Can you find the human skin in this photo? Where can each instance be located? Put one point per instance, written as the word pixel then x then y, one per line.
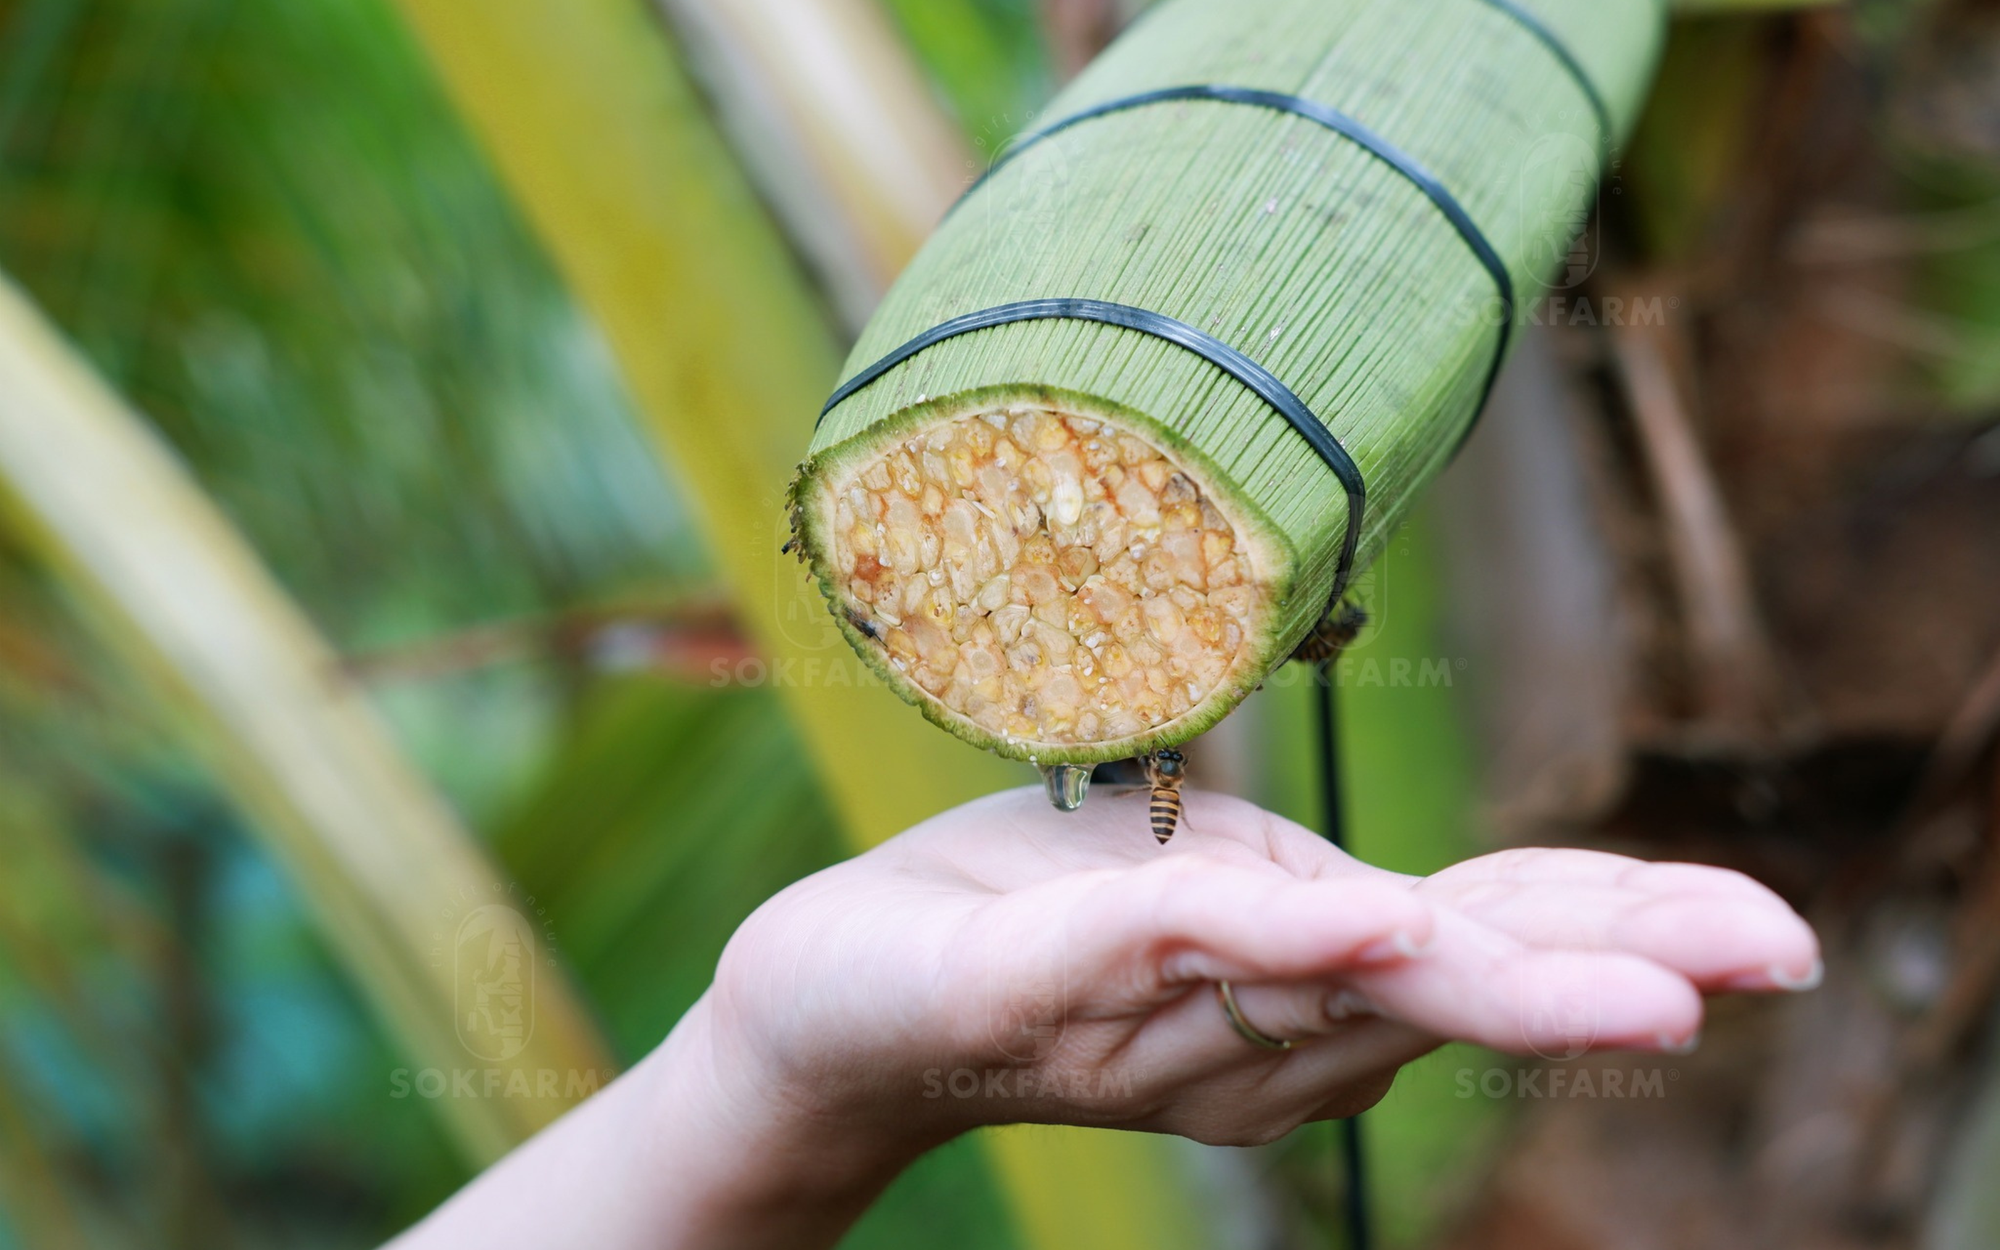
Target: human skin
pixel 1076 959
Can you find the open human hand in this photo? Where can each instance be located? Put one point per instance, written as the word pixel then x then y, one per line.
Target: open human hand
pixel 1004 962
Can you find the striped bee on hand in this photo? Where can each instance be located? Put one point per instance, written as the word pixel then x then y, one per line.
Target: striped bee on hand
pixel 1165 770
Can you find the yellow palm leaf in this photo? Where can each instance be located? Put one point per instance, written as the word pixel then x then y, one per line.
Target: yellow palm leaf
pixel 385 865
pixel 837 126
pixel 594 127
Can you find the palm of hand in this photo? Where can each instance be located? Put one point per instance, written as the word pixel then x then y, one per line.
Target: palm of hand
pixel 1006 963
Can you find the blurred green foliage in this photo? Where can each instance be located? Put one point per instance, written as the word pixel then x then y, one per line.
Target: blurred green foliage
pixel 987 60
pixel 1950 176
pixel 264 224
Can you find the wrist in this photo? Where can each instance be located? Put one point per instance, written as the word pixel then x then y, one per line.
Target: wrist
pixel 754 1158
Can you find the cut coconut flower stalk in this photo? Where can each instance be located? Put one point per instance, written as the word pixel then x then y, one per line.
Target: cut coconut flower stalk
pixel 1106 468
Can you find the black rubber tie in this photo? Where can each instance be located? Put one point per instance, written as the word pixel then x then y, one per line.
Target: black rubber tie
pixel 1340 123
pixel 1560 50
pixel 1181 334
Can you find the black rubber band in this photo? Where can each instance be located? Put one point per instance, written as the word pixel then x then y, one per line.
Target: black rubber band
pixel 1560 50
pixel 1223 356
pixel 1341 124
pixel 1214 350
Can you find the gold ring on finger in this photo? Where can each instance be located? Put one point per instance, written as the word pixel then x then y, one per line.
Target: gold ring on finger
pixel 1244 1029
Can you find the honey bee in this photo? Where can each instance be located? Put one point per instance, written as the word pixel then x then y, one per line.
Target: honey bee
pixel 862 623
pixel 1165 770
pixel 1333 635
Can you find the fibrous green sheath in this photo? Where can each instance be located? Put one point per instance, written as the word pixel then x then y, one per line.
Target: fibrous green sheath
pixel 1289 242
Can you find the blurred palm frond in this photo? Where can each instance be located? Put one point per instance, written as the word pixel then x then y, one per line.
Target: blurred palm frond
pixel 837 126
pixel 187 604
pixel 592 123
pixel 987 59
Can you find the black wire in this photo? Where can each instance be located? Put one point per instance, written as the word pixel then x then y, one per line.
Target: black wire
pixel 1333 806
pixel 1360 1220
pixel 1333 823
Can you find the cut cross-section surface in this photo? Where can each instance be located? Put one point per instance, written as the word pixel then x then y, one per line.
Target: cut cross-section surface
pixel 1049 577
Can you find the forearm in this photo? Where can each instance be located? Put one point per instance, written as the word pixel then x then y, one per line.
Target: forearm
pixel 686 1152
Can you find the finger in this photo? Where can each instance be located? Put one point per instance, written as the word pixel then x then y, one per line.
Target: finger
pixel 1353 1098
pixel 1725 939
pixel 1186 918
pixel 1190 1043
pixel 1303 1012
pixel 1484 987
pixel 1336 1077
pixel 1580 867
pixel 1472 983
pixel 1481 985
pixel 1346 1077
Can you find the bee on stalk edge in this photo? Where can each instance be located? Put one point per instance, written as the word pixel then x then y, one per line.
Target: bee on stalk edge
pixel 1333 635
pixel 1165 771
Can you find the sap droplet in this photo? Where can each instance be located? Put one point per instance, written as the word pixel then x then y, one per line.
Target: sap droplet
pixel 1067 784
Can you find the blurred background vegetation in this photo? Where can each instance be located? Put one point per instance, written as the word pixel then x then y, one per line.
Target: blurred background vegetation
pixel 478 399
pixel 267 227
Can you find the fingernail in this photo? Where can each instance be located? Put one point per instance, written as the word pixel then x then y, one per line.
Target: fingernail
pixel 1395 948
pixel 1798 984
pixel 1682 1046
